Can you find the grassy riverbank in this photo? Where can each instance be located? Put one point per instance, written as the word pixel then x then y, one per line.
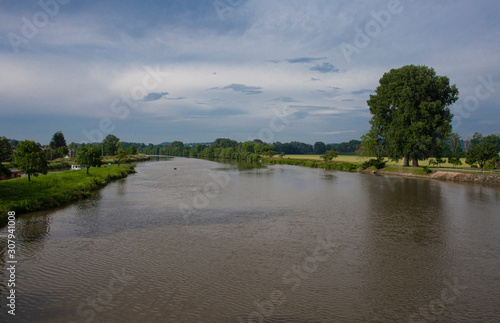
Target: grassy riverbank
pixel 336 165
pixel 425 171
pixel 54 189
pixel 65 163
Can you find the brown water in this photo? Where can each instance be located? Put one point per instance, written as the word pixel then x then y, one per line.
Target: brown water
pixel 210 243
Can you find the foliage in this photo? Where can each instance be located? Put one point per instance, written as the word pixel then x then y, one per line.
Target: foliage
pixel 329 155
pixel 110 145
pixel 373 144
pixel 4 170
pixel 455 161
pixel 483 149
pixel 121 155
pixel 58 140
pixel 348 147
pixel 5 150
pixel 319 148
pixel 30 159
pixel 377 163
pixel 454 142
pixel 57 152
pixel 293 148
pixel 89 156
pixel 427 170
pixel 410 112
pixel 132 150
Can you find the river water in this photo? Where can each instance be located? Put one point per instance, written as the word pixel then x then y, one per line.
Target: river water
pixel 189 240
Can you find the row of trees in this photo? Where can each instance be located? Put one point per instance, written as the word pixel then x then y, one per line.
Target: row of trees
pixel 177 148
pixel 32 158
pixel 220 148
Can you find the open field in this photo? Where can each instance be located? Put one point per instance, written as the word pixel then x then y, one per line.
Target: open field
pixel 359 160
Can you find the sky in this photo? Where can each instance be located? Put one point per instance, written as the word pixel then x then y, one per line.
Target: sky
pixel 276 70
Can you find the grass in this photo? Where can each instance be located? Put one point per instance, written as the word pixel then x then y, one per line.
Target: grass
pixel 314 163
pixel 54 189
pixel 360 160
pixel 406 170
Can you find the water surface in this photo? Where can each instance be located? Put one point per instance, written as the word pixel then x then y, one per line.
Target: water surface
pixel 188 240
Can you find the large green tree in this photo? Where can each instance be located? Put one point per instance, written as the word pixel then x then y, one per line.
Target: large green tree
pixel 58 140
pixel 30 158
pixel 5 149
pixel 410 112
pixel 111 145
pixel 89 156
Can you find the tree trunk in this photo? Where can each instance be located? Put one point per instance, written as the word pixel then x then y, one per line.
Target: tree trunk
pixel 406 161
pixel 414 162
pixel 29 178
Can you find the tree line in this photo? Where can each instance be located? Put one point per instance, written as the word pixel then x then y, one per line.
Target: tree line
pixel 32 158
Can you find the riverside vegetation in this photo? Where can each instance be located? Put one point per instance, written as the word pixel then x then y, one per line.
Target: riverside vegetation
pixel 55 189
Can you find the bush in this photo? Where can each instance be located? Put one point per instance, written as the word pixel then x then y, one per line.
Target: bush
pixel 377 163
pixel 489 165
pixel 427 170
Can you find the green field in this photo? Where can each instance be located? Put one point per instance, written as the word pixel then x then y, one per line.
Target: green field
pixel 54 189
pixel 360 160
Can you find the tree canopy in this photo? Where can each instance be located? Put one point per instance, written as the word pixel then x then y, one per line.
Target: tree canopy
pixel 483 149
pixel 58 140
pixel 30 159
pixel 110 145
pixel 5 149
pixel 410 113
pixel 89 156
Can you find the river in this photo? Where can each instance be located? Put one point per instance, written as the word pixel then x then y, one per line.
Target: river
pixel 189 240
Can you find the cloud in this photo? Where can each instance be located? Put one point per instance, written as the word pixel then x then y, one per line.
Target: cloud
pixel 285 99
pixel 304 59
pixel 324 68
pixel 250 90
pixel 154 96
pixel 334 132
pixel 108 44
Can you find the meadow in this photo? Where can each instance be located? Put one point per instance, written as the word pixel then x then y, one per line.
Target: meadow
pixel 359 160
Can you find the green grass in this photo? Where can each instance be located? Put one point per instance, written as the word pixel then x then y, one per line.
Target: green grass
pixel 54 189
pixel 360 160
pixel 337 165
pixel 406 170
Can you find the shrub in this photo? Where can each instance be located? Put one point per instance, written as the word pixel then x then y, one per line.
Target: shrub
pixel 427 170
pixel 377 163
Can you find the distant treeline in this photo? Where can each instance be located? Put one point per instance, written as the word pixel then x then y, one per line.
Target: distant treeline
pixel 220 148
pixel 231 149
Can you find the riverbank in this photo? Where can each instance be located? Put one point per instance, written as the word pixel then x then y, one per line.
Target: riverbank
pixel 55 189
pixel 420 172
pixel 65 163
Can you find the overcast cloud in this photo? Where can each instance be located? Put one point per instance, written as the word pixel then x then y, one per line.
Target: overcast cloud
pixel 160 71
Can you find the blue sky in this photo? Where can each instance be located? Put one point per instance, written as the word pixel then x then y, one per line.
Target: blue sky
pixel 155 71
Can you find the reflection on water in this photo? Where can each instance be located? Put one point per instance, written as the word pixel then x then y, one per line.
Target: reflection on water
pixel 189 240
